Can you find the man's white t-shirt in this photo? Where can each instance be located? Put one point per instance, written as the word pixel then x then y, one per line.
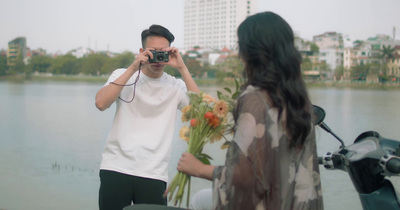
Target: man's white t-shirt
pixel 141 135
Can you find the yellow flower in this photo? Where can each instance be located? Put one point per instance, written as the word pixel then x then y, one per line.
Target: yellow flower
pixel 185 113
pixel 216 137
pixel 221 109
pixel 208 99
pixel 184 133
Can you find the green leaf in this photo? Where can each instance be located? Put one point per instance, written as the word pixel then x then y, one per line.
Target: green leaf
pixel 226 145
pixel 235 95
pixel 237 85
pixel 204 158
pixel 219 95
pixel 228 90
pixel 207 156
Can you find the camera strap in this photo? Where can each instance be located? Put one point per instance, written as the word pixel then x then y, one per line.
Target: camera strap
pixel 134 86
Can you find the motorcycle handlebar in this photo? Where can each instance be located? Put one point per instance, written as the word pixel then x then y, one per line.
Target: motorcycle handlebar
pixel 320 160
pixel 393 165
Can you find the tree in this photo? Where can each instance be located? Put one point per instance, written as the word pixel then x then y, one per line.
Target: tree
pixel 19 66
pixel 236 65
pixel 314 48
pixel 339 71
pixel 361 71
pixel 324 67
pixel 93 63
pixel 66 64
pixel 123 60
pixel 172 71
pixel 231 65
pixel 306 64
pixel 387 53
pixel 221 75
pixel 40 63
pixel 3 65
pixel 194 67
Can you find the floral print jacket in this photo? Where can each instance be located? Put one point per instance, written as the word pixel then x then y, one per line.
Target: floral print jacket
pixel 261 171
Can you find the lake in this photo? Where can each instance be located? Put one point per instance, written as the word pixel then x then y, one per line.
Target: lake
pixel 52 136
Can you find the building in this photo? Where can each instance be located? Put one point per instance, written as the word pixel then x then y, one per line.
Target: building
pixel 332 57
pixel 80 52
pixel 376 45
pixel 357 55
pixel 330 46
pixel 16 48
pixel 329 40
pixel 367 52
pixel 212 24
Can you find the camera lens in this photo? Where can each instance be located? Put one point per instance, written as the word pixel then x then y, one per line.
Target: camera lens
pixel 160 57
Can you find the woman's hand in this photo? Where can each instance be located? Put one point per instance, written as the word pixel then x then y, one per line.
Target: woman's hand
pixel 191 166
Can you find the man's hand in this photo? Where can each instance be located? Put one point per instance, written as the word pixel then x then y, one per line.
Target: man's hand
pixel 141 58
pixel 175 59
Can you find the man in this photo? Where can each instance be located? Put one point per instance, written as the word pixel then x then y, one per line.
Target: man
pixel 134 166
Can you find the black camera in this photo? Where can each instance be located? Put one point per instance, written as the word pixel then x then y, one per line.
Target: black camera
pixel 159 56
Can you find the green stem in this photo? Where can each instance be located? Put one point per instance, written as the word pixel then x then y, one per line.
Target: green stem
pixel 188 194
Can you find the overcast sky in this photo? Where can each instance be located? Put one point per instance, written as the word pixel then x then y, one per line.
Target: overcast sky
pixel 59 25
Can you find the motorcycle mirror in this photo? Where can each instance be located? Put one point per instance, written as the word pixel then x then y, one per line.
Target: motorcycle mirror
pixel 319 115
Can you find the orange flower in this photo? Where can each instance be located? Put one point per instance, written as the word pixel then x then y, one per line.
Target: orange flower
pixel 214 122
pixel 221 109
pixel 209 115
pixel 208 99
pixel 193 122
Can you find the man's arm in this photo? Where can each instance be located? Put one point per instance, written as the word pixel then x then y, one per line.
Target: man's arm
pixel 108 94
pixel 176 61
pixel 187 78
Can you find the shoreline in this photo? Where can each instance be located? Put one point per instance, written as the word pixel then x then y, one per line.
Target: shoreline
pixel 203 82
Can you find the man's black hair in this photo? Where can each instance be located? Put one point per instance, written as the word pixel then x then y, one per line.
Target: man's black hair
pixel 157 30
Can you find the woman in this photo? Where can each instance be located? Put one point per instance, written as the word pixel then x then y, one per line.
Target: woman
pixel 272 162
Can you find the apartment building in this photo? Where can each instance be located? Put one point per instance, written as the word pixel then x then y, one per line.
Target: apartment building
pixel 16 47
pixel 329 40
pixel 212 24
pixel 357 55
pixel 331 46
pixel 367 52
pixel 333 57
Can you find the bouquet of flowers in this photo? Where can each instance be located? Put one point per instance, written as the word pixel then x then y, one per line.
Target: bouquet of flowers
pixel 210 119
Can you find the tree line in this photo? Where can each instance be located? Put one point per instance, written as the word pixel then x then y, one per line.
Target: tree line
pixel 102 64
pixel 231 66
pixel 92 64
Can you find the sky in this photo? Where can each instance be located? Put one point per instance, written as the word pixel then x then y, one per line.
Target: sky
pixel 59 25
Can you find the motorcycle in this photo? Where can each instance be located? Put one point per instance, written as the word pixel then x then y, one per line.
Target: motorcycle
pixel 368 161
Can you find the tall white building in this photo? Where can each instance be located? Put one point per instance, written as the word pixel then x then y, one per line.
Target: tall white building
pixel 212 24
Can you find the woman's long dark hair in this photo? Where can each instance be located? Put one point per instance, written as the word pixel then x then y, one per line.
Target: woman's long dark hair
pixel 266 44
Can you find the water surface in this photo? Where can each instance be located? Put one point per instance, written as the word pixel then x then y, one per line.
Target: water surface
pixel 52 136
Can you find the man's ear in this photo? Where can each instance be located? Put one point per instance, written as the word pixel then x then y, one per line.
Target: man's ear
pixel 141 50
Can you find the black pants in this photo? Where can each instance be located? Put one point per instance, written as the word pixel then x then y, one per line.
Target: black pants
pixel 119 190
